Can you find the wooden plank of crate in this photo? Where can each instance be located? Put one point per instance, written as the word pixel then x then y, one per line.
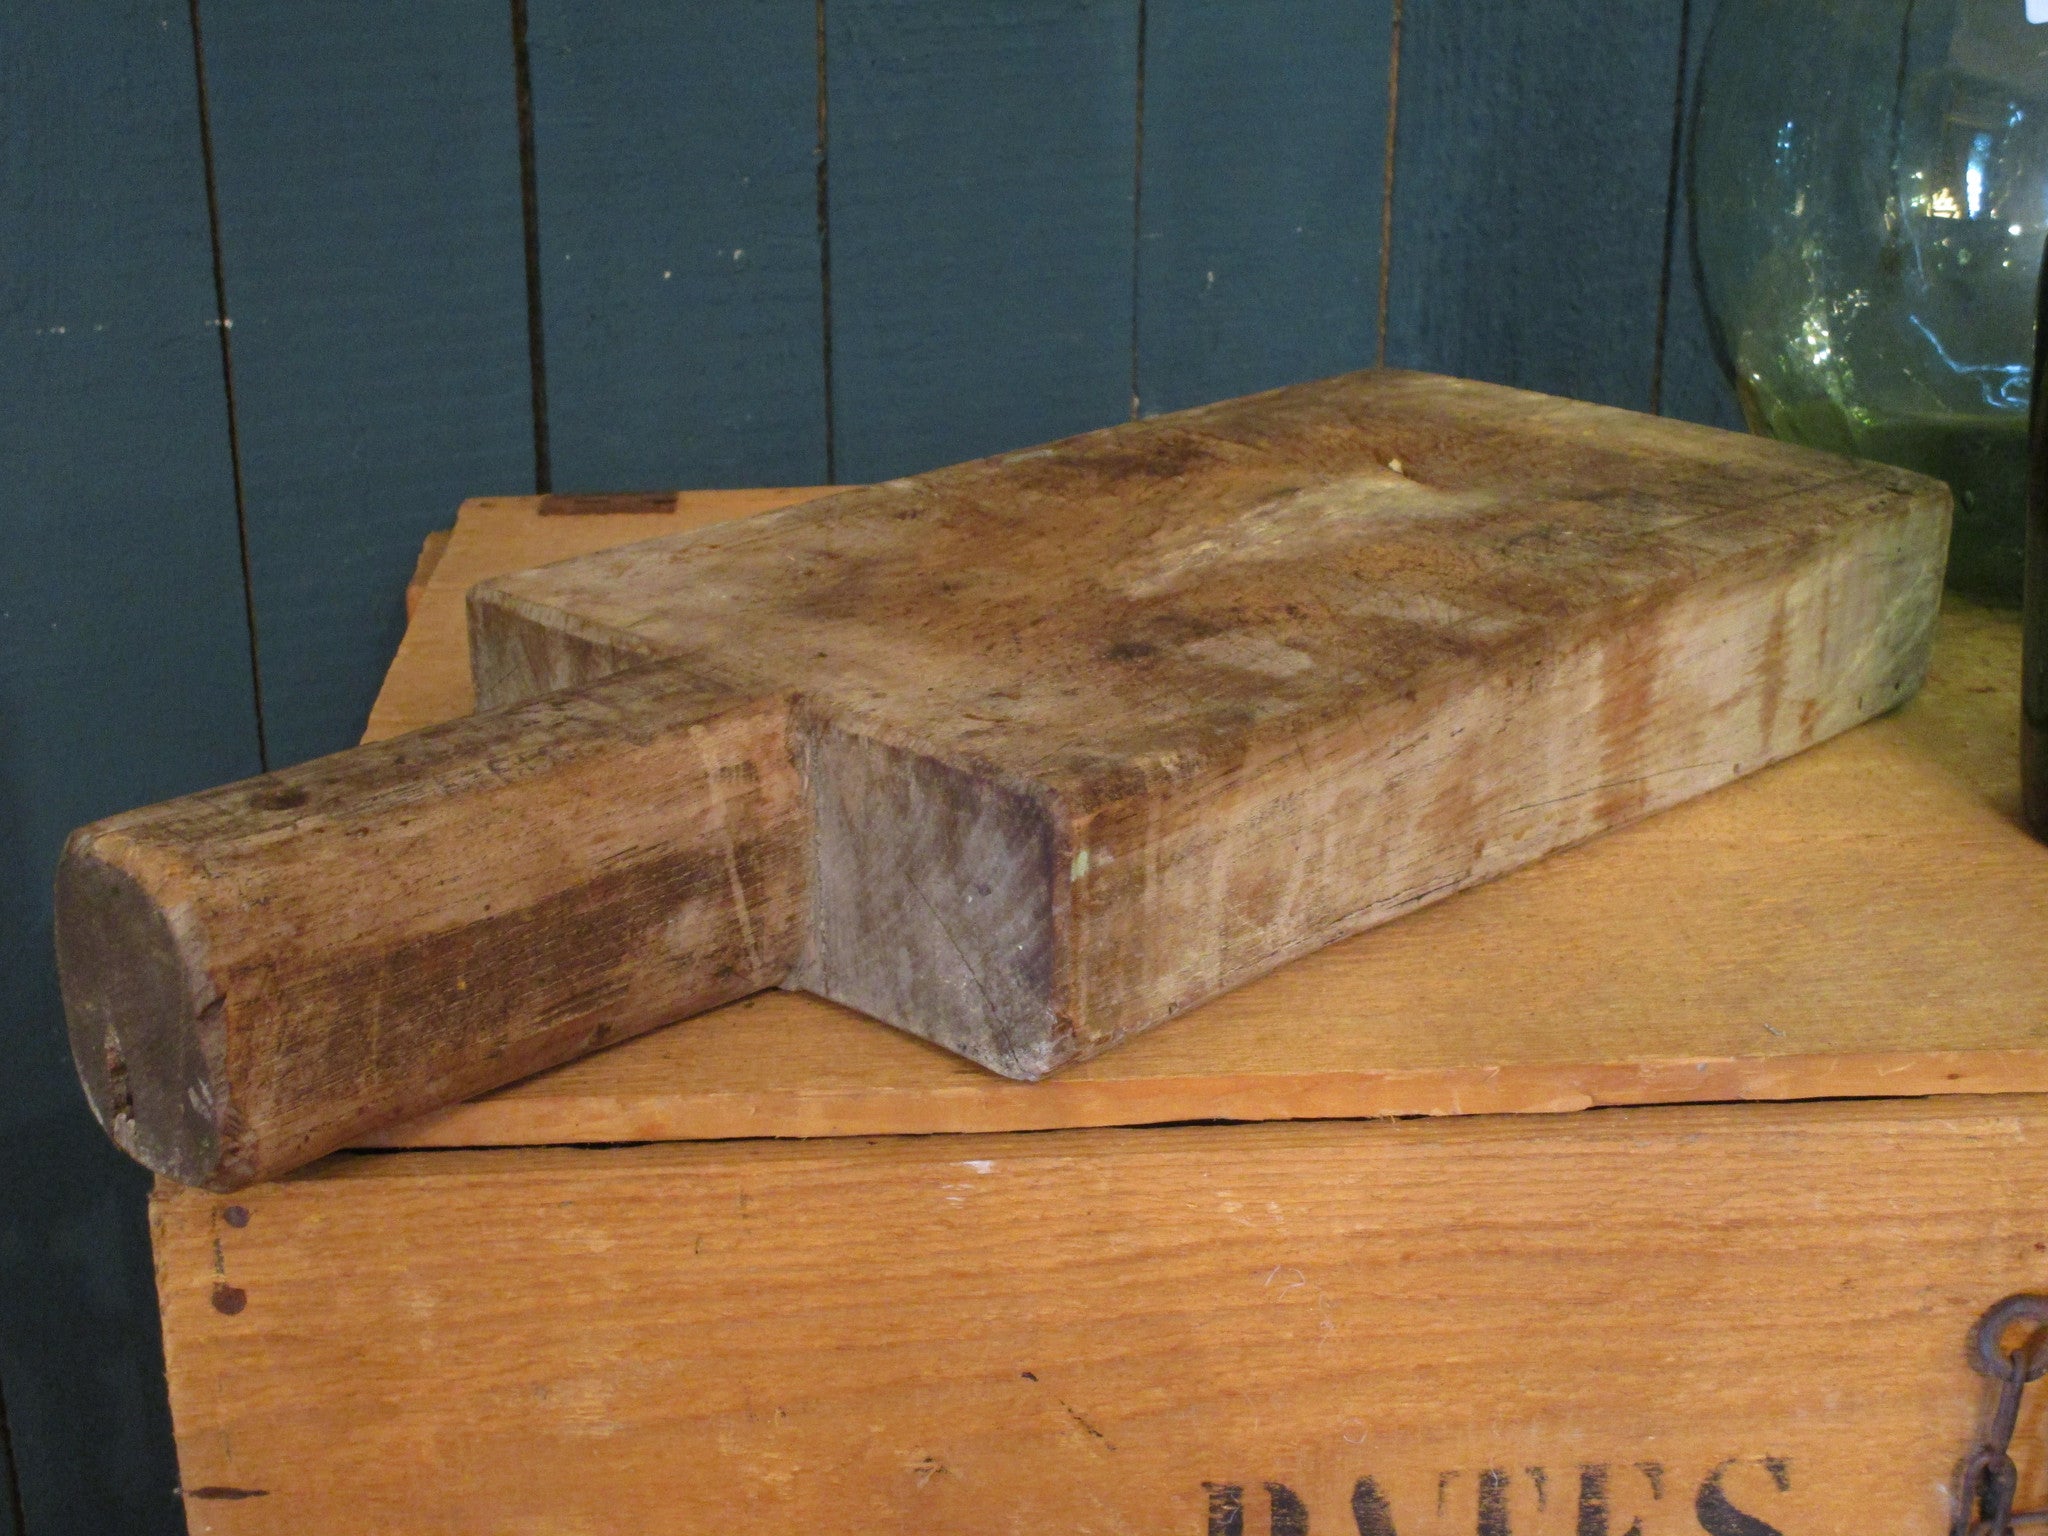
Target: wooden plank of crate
pixel 1658 1314
pixel 1865 919
pixel 372 251
pixel 1531 182
pixel 124 671
pixel 674 160
pixel 982 163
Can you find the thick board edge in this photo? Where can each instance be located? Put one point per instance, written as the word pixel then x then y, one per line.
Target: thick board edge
pixel 1659 723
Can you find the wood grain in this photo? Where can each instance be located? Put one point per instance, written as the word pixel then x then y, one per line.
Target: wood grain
pixel 1531 184
pixel 1259 218
pixel 124 677
pixel 1762 1307
pixel 367 161
pixel 982 166
pixel 1862 920
pixel 675 163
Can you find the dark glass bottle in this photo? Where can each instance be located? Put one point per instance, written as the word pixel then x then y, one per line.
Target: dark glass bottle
pixel 2034 654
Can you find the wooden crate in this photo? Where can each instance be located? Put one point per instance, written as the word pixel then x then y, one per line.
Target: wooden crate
pixel 780 1268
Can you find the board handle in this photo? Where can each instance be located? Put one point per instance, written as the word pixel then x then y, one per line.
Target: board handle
pixel 261 973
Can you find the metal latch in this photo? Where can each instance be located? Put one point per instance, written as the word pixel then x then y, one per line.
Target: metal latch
pixel 1989 1480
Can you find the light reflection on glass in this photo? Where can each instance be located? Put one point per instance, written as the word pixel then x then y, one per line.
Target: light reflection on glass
pixel 1870 187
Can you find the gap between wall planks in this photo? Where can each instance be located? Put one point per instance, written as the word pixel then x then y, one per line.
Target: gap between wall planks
pixel 1532 184
pixel 1729 949
pixel 679 264
pixel 1258 255
pixel 980 202
pixel 1695 383
pixel 371 251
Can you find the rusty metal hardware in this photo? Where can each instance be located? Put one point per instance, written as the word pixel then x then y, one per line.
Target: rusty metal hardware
pixel 1989 1480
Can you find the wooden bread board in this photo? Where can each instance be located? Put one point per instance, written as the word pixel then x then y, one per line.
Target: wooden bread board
pixel 1023 756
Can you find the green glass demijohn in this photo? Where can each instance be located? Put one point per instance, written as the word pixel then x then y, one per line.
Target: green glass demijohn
pixel 1870 193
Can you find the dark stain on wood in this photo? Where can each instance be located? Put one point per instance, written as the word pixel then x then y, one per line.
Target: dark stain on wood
pixel 229 1300
pixel 609 505
pixel 276 796
pixel 1628 680
pixel 1771 673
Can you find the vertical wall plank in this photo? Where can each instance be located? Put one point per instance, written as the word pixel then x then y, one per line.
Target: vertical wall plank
pixel 675 155
pixel 367 158
pixel 1264 157
pixel 124 678
pixel 1529 192
pixel 1695 386
pixel 982 168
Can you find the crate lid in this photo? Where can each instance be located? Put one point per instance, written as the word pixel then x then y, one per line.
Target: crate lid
pixel 1867 919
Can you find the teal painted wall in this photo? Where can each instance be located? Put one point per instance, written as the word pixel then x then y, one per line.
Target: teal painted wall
pixel 280 284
